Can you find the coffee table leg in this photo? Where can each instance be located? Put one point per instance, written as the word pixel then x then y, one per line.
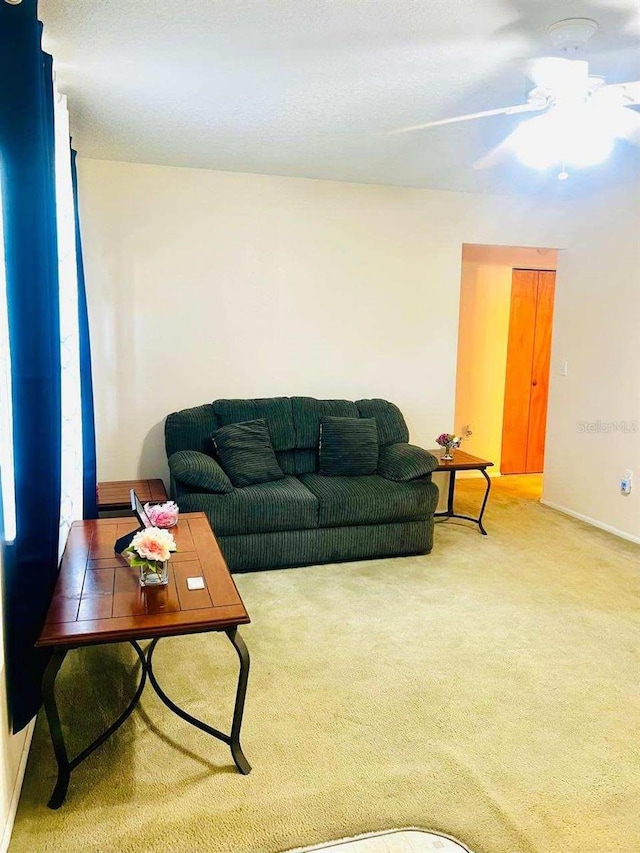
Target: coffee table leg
pixel 484 502
pixel 55 728
pixel 243 679
pixel 233 740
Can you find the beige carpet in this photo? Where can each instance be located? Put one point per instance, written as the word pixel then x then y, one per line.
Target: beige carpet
pixel 488 691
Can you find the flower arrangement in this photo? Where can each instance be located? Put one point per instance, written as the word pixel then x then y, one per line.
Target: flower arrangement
pixel 150 550
pixel 162 515
pixel 448 441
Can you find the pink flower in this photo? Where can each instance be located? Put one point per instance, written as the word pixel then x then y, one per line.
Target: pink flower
pixel 162 515
pixel 153 544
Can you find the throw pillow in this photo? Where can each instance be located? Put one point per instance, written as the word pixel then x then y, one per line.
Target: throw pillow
pixel 199 471
pixel 246 454
pixel 348 446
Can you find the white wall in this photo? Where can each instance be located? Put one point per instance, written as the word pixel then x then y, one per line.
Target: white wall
pixel 597 330
pixel 483 336
pixel 207 284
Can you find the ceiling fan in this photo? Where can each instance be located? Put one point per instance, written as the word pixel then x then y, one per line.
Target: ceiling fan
pixel 580 118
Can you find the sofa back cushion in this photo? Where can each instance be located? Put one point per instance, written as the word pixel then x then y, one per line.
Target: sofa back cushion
pixel 293 422
pixel 392 426
pixel 276 411
pixel 190 429
pixel 307 414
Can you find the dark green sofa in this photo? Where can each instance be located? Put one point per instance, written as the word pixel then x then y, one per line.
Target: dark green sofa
pixel 304 518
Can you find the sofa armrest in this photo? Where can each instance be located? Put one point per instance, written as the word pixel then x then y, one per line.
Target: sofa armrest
pixel 403 462
pixel 198 471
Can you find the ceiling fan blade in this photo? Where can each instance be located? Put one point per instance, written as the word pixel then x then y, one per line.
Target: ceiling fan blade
pixel 520 108
pixel 610 105
pixel 627 94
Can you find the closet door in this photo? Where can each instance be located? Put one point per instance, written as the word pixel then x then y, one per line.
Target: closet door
pixel 527 375
pixel 540 372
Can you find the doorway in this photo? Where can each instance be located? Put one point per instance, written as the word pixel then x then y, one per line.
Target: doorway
pixel 486 296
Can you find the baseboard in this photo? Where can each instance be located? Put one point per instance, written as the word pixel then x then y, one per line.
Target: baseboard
pixel 592 521
pixel 15 797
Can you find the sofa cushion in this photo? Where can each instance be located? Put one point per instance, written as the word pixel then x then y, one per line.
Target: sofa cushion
pixel 264 508
pixel 348 446
pixel 190 429
pixel 287 461
pixel 199 471
pixel 404 462
pixel 370 500
pixel 307 414
pixel 306 461
pixel 392 427
pixel 276 411
pixel 246 453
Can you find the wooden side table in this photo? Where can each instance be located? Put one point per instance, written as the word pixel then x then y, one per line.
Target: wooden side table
pixel 114 495
pixel 462 462
pixel 98 599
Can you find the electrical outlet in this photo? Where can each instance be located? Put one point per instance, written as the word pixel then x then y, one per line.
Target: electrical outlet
pixel 626 483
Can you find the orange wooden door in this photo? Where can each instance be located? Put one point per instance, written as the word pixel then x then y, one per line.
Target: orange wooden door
pixel 527 376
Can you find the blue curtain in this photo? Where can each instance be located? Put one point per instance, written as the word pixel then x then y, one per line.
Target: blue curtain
pixel 89 483
pixel 29 215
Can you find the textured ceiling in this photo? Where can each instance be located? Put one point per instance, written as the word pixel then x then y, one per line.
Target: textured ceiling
pixel 310 87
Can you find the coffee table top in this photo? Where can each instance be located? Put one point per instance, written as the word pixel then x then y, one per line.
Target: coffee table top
pixel 461 461
pixel 98 597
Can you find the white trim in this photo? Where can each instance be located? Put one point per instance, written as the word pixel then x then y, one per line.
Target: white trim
pixel 608 527
pixel 17 788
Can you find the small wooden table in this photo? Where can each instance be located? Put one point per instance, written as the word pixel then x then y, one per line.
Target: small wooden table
pixel 462 462
pixel 114 495
pixel 98 599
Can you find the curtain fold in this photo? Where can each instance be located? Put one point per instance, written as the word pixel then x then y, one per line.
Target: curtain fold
pixel 89 477
pixel 31 270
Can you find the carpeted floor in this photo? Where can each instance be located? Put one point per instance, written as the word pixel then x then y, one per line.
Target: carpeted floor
pixel 488 691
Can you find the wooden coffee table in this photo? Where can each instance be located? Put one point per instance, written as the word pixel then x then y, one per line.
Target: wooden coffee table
pixel 98 599
pixel 462 462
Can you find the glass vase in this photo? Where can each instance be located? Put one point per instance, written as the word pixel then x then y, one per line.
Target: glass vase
pixel 447 453
pixel 155 574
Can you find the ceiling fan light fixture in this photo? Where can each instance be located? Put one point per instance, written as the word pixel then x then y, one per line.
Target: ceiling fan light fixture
pixel 575 135
pixel 534 142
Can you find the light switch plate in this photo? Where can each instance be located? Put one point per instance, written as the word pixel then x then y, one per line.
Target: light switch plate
pixel 195 583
